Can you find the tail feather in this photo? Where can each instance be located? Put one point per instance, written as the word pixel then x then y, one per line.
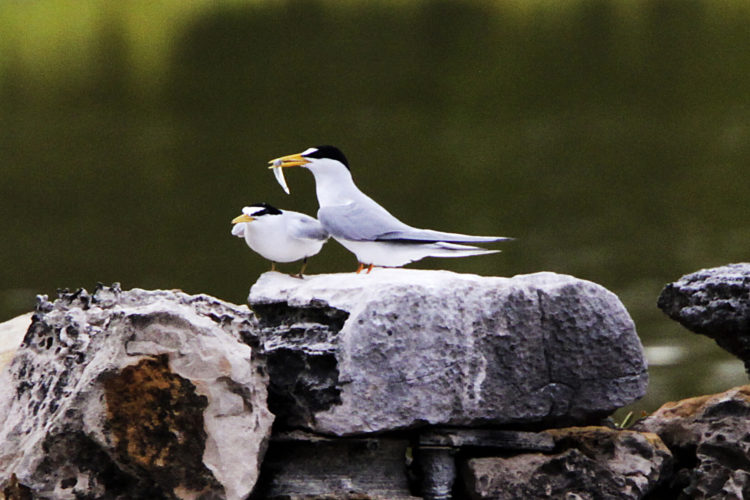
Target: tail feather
pixel 445 249
pixel 428 235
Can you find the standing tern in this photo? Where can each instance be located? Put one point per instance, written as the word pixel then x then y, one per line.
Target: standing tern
pixel 364 227
pixel 280 235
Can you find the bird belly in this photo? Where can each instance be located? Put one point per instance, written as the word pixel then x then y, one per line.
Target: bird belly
pixel 397 254
pixel 278 248
pixel 386 254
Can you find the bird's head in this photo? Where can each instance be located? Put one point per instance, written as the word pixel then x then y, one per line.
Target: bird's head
pixel 316 159
pixel 256 211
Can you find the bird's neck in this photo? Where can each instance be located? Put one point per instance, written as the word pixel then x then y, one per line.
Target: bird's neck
pixel 334 190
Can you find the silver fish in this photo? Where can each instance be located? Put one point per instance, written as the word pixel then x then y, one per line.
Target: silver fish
pixel 278 172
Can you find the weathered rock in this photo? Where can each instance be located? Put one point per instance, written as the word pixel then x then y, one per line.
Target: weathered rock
pixel 137 394
pixel 399 348
pixel 591 463
pixel 496 439
pixel 301 466
pixel 714 302
pixel 709 437
pixel 437 448
pixel 11 336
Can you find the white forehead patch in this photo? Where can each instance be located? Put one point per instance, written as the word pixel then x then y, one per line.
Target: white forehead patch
pixel 308 151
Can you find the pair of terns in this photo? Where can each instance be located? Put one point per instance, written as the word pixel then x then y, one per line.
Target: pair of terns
pixel 352 218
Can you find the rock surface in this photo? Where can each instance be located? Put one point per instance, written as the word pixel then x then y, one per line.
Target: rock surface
pixel 134 394
pixel 304 466
pixel 350 354
pixel 11 335
pixel 591 463
pixel 709 437
pixel 714 302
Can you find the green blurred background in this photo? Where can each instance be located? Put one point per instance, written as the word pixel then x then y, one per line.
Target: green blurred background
pixel 611 138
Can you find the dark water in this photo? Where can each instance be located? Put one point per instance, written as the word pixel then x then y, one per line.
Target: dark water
pixel 612 139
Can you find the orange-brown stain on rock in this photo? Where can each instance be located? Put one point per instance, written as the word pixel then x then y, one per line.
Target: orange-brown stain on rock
pixel 156 422
pixel 593 439
pixel 689 407
pixel 12 489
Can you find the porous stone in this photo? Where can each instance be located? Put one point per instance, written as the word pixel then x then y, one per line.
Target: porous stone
pixel 136 394
pixel 590 463
pixel 716 303
pixel 399 348
pixel 709 437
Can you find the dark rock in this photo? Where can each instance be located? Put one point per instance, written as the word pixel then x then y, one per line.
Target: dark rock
pixel 13 490
pixel 438 470
pixel 302 466
pixel 437 448
pixel 488 438
pixel 591 463
pixel 709 437
pixel 402 348
pixel 302 367
pixel 714 302
pixel 134 394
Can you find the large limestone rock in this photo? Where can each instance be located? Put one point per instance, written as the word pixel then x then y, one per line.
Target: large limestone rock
pixel 350 354
pixel 709 437
pixel 589 463
pixel 137 394
pixel 714 302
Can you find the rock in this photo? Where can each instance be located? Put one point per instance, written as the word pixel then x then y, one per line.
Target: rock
pixel 398 348
pixel 300 466
pixel 11 335
pixel 714 302
pixel 137 394
pixel 591 463
pixel 437 447
pixel 487 438
pixel 709 437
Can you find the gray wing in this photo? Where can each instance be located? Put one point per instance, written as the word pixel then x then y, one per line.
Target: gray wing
pixel 359 221
pixel 371 222
pixel 304 226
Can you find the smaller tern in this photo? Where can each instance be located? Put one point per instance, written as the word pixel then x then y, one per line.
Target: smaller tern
pixel 364 227
pixel 280 235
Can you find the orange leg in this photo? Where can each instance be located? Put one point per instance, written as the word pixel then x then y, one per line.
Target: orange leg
pixel 359 269
pixel 369 268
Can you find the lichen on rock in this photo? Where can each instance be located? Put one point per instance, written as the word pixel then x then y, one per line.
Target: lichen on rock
pixel 709 437
pixel 589 462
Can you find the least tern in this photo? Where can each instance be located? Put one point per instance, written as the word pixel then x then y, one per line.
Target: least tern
pixel 364 227
pixel 280 235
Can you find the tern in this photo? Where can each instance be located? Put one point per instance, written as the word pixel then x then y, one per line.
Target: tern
pixel 365 228
pixel 280 235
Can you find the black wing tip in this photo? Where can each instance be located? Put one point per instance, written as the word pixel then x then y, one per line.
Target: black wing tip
pixel 479 239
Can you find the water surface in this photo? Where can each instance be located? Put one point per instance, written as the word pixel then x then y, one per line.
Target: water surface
pixel 612 139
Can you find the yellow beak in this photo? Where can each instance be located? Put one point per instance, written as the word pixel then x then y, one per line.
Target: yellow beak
pixel 289 161
pixel 242 218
